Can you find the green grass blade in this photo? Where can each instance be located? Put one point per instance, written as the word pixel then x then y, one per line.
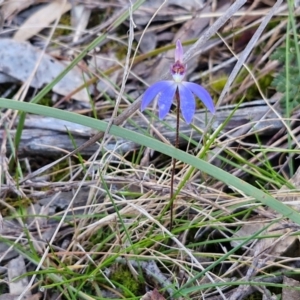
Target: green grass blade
pixel 154 144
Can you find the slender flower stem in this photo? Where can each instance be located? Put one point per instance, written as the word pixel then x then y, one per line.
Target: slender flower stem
pixel 177 97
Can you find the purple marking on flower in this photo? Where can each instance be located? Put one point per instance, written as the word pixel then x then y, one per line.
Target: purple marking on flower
pixel 165 91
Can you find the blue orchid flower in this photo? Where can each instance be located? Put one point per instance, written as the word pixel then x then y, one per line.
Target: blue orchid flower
pixel 165 91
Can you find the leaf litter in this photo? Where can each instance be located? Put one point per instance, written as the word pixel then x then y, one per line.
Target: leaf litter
pixel 20 62
pixel 97 206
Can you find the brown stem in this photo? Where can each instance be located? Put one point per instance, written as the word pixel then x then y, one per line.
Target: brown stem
pixel 174 160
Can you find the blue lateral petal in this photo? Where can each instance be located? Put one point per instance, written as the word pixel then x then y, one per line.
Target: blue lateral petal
pixel 187 103
pixel 166 98
pixel 152 92
pixel 202 94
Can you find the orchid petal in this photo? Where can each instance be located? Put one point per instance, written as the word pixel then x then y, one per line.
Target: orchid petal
pixel 187 103
pixel 152 92
pixel 202 94
pixel 165 99
pixel 178 52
